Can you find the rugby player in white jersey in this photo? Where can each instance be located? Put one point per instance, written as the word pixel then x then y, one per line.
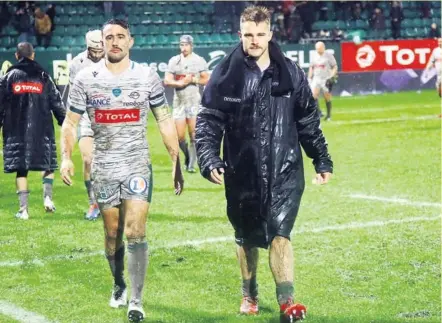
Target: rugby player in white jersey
pixel 121 169
pixel 186 72
pixel 322 75
pixel 436 62
pixel 92 55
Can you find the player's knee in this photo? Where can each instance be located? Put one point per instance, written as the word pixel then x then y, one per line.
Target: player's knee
pixel 113 232
pixel 87 160
pixel 134 231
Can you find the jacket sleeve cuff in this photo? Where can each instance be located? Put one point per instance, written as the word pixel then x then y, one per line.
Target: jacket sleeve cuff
pixel 324 166
pixel 205 172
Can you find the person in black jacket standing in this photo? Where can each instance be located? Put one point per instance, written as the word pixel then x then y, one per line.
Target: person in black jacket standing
pixel 260 104
pixel 28 98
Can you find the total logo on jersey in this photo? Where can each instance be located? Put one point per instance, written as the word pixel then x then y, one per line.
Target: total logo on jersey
pixel 99 100
pixel 27 87
pixel 117 116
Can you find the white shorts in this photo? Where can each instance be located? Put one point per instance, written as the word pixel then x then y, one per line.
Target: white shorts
pixel 84 128
pixel 186 107
pixel 318 83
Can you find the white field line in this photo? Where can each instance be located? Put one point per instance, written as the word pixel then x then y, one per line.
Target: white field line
pixel 394 200
pixel 390 108
pixel 20 314
pixel 341 227
pixel 384 120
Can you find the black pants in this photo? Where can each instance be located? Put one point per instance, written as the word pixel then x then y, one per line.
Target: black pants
pixel 46 39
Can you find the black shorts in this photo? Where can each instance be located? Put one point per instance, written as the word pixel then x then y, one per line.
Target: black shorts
pixel 253 230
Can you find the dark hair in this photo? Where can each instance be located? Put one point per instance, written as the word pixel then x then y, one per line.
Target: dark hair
pixel 24 49
pixel 256 14
pixel 120 22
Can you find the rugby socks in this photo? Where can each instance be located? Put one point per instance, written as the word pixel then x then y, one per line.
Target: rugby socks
pixel 192 154
pixel 250 287
pixel 47 187
pixel 185 150
pixel 329 107
pixel 284 292
pixel 116 264
pixel 137 265
pixel 23 199
pixel 90 192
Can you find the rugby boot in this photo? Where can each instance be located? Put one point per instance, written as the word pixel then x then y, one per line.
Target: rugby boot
pixel 290 312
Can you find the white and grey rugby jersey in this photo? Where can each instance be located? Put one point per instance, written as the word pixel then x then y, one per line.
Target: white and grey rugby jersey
pixel 118 107
pixel 78 63
pixel 436 59
pixel 323 65
pixel 180 66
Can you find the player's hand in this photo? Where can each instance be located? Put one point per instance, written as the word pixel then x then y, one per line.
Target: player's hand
pixel 66 171
pixel 216 175
pixel 322 178
pixel 178 179
pixel 187 80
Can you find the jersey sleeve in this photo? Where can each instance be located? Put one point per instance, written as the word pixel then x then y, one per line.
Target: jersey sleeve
pixel 77 96
pixel 332 61
pixel 171 66
pixel 72 73
pixel 157 95
pixel 203 67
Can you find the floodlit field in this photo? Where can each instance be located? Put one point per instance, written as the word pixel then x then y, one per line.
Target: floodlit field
pixel 367 245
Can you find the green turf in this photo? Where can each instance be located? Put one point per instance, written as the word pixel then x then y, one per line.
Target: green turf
pixel 374 273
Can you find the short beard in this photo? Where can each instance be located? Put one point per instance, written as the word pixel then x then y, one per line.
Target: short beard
pixel 114 60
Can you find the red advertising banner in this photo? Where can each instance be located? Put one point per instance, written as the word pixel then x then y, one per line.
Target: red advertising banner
pixel 373 56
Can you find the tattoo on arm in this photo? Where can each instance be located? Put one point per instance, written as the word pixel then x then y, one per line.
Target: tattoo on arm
pixel 161 113
pixel 167 129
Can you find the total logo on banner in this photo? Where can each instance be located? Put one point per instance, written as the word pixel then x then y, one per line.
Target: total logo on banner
pixel 386 55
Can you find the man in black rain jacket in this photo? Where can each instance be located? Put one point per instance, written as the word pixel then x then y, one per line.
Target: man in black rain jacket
pixel 28 98
pixel 260 103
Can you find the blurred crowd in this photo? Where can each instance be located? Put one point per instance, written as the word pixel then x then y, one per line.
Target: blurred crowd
pixel 292 21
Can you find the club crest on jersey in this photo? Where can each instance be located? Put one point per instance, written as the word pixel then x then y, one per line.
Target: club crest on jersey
pixel 138 185
pixel 98 100
pixel 115 116
pixel 116 92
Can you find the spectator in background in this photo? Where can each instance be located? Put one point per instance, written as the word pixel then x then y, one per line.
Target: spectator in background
pixel 43 27
pixel 51 13
pixel 397 16
pixel 434 31
pixel 377 22
pixel 22 23
pixel 425 9
pixel 4 15
pixel 356 11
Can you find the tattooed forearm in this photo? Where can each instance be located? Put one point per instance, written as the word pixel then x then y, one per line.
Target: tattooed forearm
pixel 161 113
pixel 167 130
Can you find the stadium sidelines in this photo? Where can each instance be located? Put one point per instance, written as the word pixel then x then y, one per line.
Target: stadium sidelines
pixel 394 200
pixel 390 108
pixel 20 314
pixel 384 120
